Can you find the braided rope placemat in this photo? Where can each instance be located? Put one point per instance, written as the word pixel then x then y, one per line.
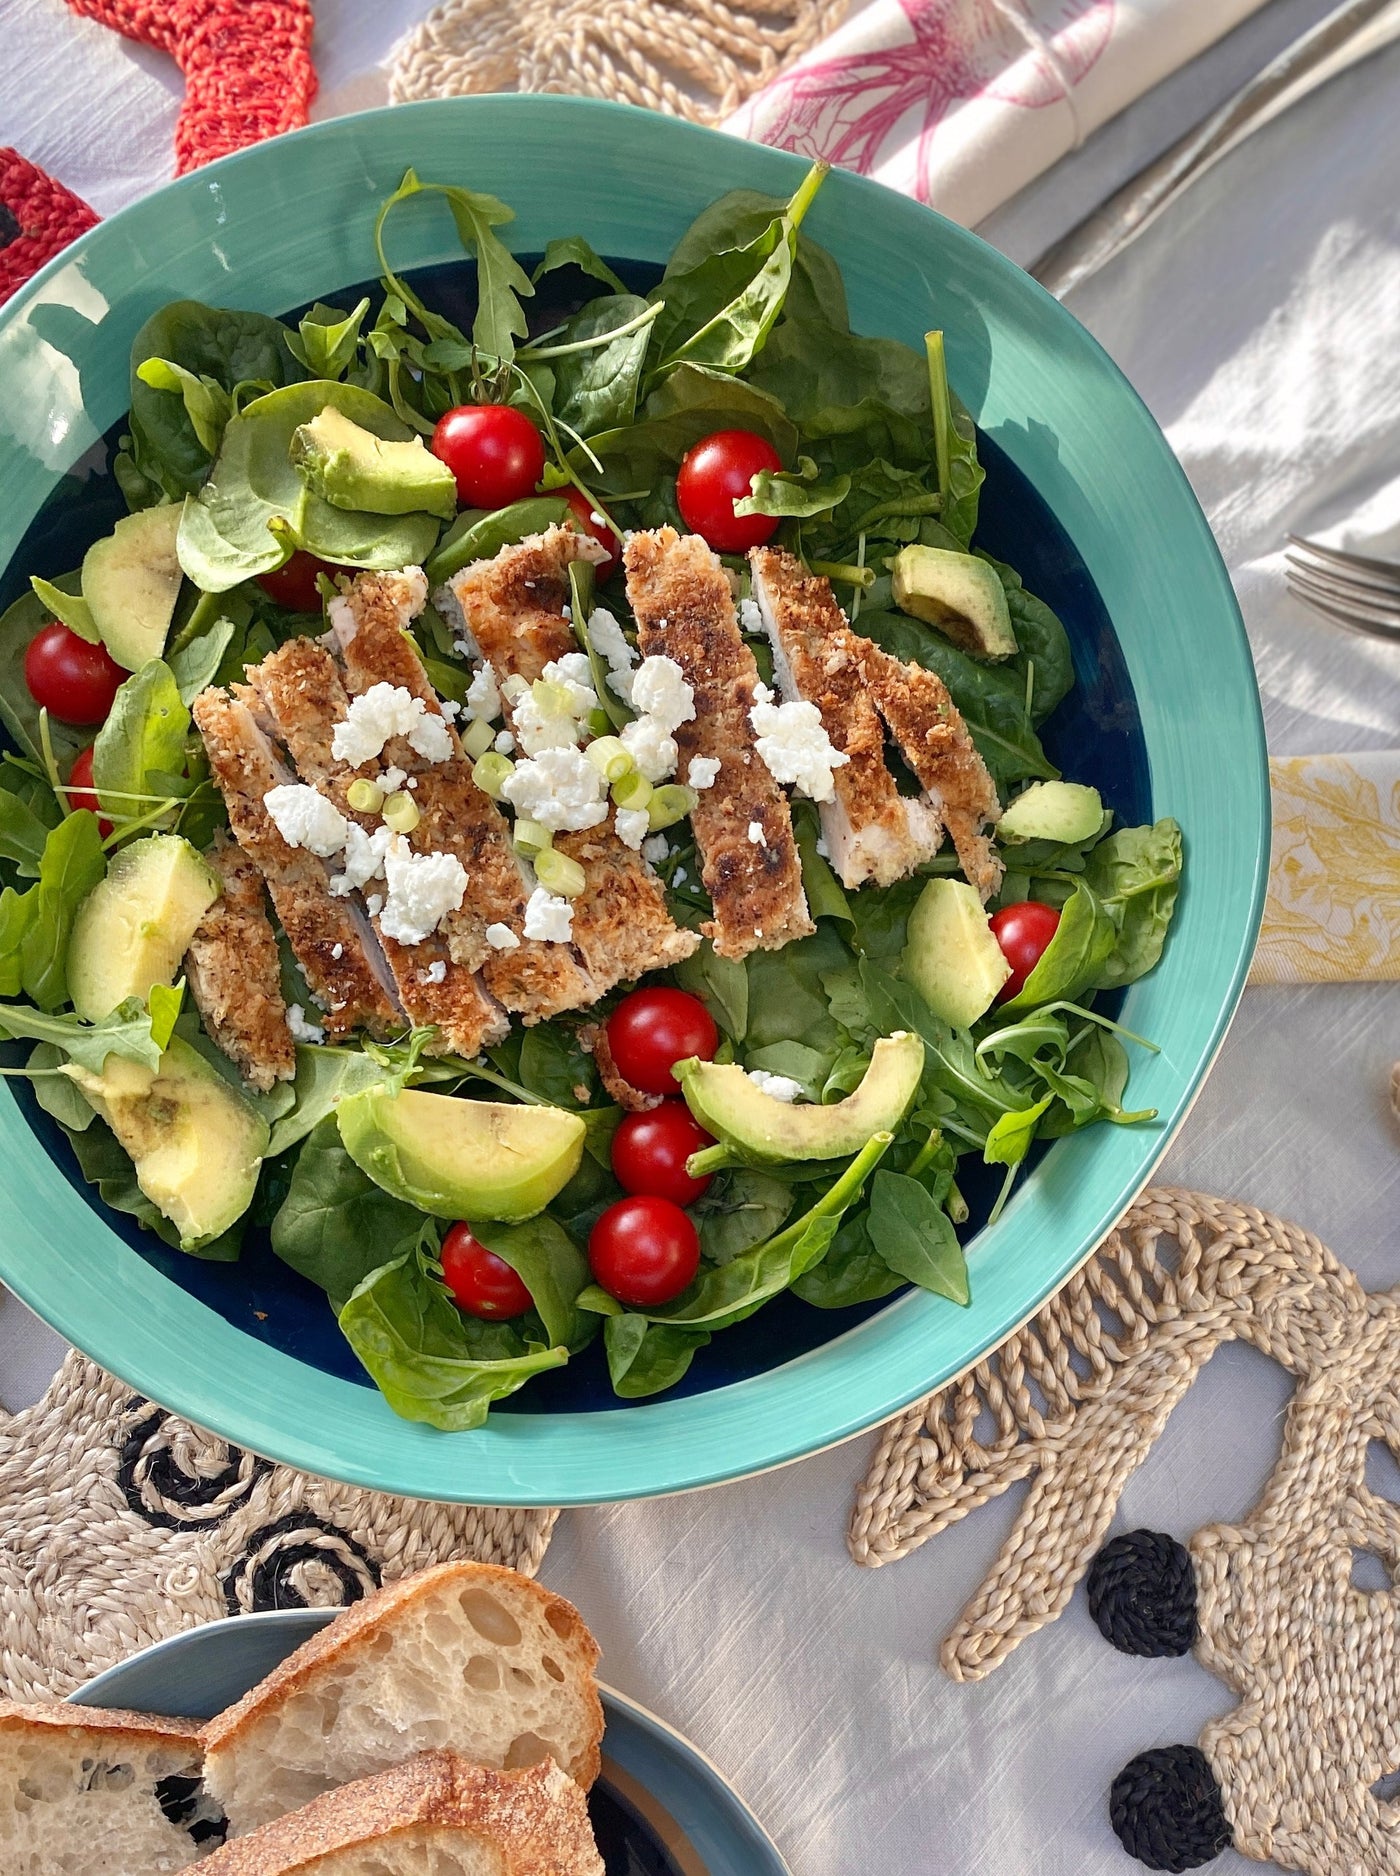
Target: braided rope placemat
pixel 694 58
pixel 121 1524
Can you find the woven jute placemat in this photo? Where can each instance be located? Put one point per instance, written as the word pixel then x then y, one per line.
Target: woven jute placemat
pixel 695 58
pixel 121 1524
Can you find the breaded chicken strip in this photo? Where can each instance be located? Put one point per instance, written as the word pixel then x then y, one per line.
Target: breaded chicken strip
pixel 233 972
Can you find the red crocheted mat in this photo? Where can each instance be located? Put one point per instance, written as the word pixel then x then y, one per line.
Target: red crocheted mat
pixel 38 216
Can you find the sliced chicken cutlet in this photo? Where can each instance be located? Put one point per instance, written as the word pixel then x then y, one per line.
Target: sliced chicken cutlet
pixel 934 740
pixel 872 832
pixel 680 595
pixel 299 687
pixel 513 609
pixel 534 979
pixel 233 972
pixel 330 937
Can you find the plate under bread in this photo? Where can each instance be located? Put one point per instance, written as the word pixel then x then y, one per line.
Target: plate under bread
pixel 660 1808
pixel 1083 495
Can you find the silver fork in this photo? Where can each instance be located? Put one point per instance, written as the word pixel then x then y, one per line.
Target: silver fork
pixel 1351 589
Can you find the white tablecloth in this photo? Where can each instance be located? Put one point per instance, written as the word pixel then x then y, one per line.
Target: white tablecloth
pixel 1259 320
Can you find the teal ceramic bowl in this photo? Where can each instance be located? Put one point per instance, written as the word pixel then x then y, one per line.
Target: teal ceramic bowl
pixel 1083 495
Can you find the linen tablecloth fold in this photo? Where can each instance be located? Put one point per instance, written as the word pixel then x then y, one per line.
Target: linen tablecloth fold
pixel 960 103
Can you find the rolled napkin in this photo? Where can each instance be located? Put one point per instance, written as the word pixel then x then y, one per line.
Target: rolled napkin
pixel 1333 910
pixel 960 103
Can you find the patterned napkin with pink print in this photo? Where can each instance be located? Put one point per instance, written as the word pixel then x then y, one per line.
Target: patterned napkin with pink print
pixel 960 103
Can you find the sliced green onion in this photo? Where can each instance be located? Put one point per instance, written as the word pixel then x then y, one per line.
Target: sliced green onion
pixel 552 700
pixel 633 791
pixel 610 756
pixel 478 737
pixel 531 839
pixel 491 772
pixel 557 873
pixel 364 796
pixel 670 804
pixel 401 812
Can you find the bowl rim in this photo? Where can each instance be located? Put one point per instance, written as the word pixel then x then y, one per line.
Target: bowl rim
pixel 304 1417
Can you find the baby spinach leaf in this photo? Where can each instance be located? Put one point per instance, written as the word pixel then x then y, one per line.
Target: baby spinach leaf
pixel 71 609
pixel 740 1209
pixel 207 404
pixel 127 1032
pixel 142 739
pixel 693 401
pixel 960 475
pixel 1042 644
pixel 417 1348
pixel 808 1067
pixel 1075 958
pixel 551 1267
pixel 852 1271
pixel 501 282
pixel 1137 873
pixel 326 340
pixel 787 997
pixel 255 508
pixel 722 985
pixel 18 710
pixel 477 534
pixel 56 1094
pixel 196 665
pixel 1010 1139
pixel 914 1236
pixel 35 928
pixel 574 251
pixel 336 1226
pixel 647 1357
pixel 794 492
pixel 881 919
pixel 555 1066
pixel 596 389
pixel 324 1077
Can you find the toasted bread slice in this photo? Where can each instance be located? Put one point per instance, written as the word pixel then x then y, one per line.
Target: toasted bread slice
pixel 86 1792
pixel 436 1815
pixel 465 1656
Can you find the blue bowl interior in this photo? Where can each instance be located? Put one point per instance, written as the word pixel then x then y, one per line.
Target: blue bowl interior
pixel 1095 736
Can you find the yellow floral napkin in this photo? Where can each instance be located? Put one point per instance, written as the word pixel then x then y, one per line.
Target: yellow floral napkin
pixel 1333 910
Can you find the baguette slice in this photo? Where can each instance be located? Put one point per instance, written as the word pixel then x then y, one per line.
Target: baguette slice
pixel 88 1792
pixel 436 1815
pixel 465 1656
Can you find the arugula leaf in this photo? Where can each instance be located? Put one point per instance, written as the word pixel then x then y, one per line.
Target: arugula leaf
pixel 18 710
pixel 35 927
pixel 596 389
pixel 647 1357
pixel 71 609
pixel 551 1267
pixel 143 738
pixel 336 1226
pixel 477 534
pixel 326 340
pixel 196 665
pixel 128 1032
pixel 55 1093
pixel 1010 1139
pixel 501 282
pixel 24 830
pixel 914 1236
pixel 1137 873
pixel 574 251
pixel 417 1348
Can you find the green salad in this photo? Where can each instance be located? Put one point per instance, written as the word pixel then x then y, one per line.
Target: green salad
pixel 475 1218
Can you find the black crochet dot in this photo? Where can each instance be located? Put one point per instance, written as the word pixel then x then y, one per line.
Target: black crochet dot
pixel 1167 1810
pixel 10 229
pixel 1142 1594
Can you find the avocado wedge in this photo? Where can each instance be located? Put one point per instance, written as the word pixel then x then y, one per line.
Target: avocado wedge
pixel 135 925
pixel 728 1105
pixel 951 956
pixel 960 594
pixel 462 1159
pixel 131 580
pixel 349 467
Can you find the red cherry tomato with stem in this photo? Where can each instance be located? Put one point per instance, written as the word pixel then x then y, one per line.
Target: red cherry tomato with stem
pixel 583 512
pixel 481 1283
pixel 653 1029
pixel 1024 932
pixel 494 451
pixel 293 584
pixel 71 679
pixel 644 1251
pixel 649 1152
pixel 717 472
pixel 81 793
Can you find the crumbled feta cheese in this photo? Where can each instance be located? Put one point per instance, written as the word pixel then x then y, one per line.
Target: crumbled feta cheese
pixel 750 618
pixel 572 675
pixel 679 877
pixel 302 1031
pixel 795 747
pixel 631 825
pixel 655 848
pixel 435 972
pixel 559 788
pixel 387 710
pixel 504 744
pixel 449 707
pixel 549 917
pixel 756 833
pixel 650 747
pixel 761 693
pixel 702 771
pixel 364 859
pixel 536 732
pixel 304 818
pixel 423 889
pixel 501 938
pixel 337 949
pixel 659 690
pixel 374 905
pixel 484 696
pixel 607 638
pixel 391 778
pixel 781 1087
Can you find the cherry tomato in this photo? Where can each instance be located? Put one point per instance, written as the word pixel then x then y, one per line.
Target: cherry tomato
pixel 482 1284
pixel 81 793
pixel 715 474
pixel 293 584
pixel 495 452
pixel 1023 931
pixel 649 1152
pixel 644 1251
pixel 651 1030
pixel 584 511
pixel 69 678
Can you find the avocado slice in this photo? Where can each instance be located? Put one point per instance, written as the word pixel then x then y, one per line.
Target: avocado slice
pixel 462 1159
pixel 131 581
pixel 135 925
pixel 958 593
pixel 349 467
pixel 196 1143
pixel 728 1105
pixel 951 956
pixel 1065 812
